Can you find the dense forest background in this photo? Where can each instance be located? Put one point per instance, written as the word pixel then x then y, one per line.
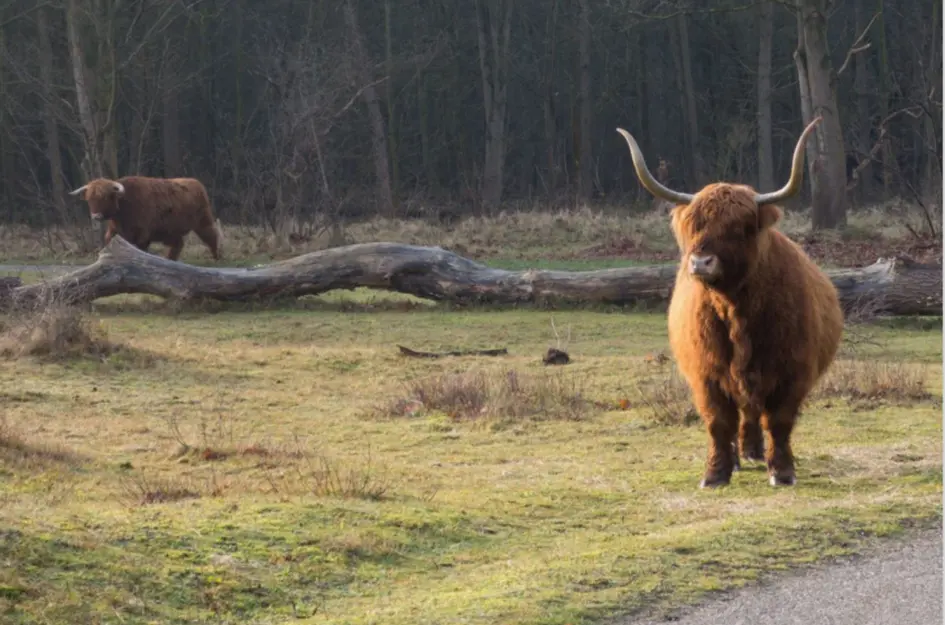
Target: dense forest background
pixel 293 111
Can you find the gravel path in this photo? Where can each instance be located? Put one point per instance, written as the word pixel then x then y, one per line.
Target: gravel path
pixel 900 582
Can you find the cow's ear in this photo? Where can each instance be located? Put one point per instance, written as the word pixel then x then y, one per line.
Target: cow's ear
pixel 768 215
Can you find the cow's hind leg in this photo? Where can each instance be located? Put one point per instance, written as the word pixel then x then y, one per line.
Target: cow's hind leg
pixel 174 248
pixel 750 440
pixel 720 415
pixel 211 238
pixel 778 420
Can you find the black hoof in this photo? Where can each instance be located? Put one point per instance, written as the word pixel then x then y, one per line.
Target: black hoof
pixel 713 482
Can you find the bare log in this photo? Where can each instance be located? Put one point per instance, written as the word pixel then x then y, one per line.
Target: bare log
pixel 406 351
pixel 894 286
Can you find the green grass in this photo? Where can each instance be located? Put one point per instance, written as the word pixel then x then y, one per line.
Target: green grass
pixel 256 466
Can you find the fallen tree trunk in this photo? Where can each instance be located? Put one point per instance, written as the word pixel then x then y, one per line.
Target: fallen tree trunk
pixel 895 286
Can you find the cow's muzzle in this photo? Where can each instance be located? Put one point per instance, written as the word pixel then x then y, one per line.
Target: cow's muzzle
pixel 706 267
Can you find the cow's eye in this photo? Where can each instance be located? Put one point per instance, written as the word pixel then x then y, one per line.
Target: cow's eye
pixel 750 230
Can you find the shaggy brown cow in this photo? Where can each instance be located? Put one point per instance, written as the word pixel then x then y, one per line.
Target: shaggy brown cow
pixel 753 322
pixel 154 210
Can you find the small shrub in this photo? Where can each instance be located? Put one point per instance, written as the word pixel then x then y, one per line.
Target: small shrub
pixel 875 380
pixel 494 395
pixel 51 329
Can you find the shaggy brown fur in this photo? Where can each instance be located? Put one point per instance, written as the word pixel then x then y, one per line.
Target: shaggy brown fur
pixel 154 210
pixel 756 337
pixel 753 322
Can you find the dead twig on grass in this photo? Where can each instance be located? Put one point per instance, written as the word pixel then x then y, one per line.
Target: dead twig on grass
pixel 412 353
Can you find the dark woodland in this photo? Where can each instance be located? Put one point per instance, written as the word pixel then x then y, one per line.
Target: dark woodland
pixel 294 111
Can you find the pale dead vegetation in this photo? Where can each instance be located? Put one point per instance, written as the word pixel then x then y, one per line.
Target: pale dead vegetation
pixel 523 230
pixel 875 381
pixel 236 459
pixel 18 451
pixel 494 395
pixel 138 488
pixel 664 397
pixel 52 330
pixel 321 475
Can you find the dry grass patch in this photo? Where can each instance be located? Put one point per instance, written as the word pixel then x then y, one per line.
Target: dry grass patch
pixel 495 395
pixel 53 331
pixel 17 451
pixel 665 397
pixel 324 476
pixel 141 489
pixel 876 381
pixel 50 329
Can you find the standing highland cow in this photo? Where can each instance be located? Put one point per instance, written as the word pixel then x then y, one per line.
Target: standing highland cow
pixel 753 322
pixel 154 210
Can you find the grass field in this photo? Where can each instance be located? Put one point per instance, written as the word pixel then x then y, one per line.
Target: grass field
pixel 272 466
pixel 242 464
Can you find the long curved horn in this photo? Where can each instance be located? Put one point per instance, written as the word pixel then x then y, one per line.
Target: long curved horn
pixel 797 171
pixel 79 190
pixel 646 178
pixel 119 188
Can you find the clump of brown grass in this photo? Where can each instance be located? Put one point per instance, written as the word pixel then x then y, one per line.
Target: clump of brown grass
pixel 322 476
pixel 665 397
pixel 876 381
pixel 17 451
pixel 51 328
pixel 139 489
pixel 494 395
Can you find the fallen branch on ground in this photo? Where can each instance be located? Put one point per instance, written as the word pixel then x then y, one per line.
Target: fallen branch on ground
pixel 406 351
pixel 896 286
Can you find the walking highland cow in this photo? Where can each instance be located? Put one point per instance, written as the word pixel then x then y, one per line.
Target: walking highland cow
pixel 154 210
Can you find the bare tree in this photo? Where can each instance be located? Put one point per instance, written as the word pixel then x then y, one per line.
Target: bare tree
pixel 385 198
pixel 494 28
pixel 586 161
pixel 818 84
pixel 50 121
pixel 765 145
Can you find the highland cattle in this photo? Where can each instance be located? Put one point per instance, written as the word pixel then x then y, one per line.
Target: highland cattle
pixel 154 210
pixel 753 321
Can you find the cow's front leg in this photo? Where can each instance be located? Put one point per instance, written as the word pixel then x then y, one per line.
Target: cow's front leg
pixel 110 231
pixel 174 248
pixel 720 414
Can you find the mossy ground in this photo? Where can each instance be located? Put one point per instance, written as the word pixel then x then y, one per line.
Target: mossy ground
pixel 251 466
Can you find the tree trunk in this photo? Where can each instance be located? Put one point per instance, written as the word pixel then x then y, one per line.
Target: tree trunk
pixel 765 144
pixel 92 164
pixel 6 154
pixel 864 187
pixel 829 198
pixel 494 25
pixel 689 96
pixel 170 129
pixel 548 104
pixel 391 105
pixel 385 197
pixel 586 162
pixel 893 286
pixel 51 127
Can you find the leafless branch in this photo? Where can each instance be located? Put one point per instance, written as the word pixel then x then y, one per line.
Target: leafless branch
pixel 913 111
pixel 858 46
